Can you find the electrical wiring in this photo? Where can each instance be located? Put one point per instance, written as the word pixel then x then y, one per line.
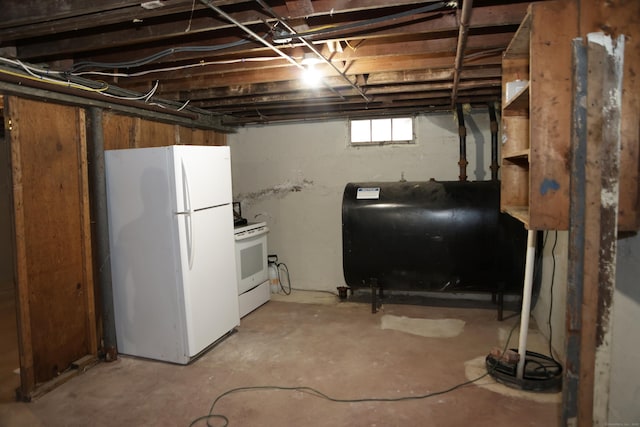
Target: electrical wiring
pixel 315 290
pixel 29 68
pixel 154 57
pixel 144 97
pixel 316 393
pixel 41 75
pixel 553 275
pixel 324 30
pixel 55 82
pixel 184 105
pixel 75 70
pixel 284 268
pixel 32 75
pixel 177 68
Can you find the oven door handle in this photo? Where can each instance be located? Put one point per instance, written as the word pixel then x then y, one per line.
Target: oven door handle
pixel 251 234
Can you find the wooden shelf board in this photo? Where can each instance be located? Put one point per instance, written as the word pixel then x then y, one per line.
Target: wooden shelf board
pixel 521 213
pixel 519 46
pixel 520 101
pixel 518 156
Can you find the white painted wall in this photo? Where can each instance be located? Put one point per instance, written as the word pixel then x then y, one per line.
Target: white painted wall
pixel 624 392
pixel 292 176
pixel 625 343
pixel 551 304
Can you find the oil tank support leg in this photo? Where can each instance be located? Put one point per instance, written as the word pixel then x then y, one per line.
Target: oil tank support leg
pixel 374 292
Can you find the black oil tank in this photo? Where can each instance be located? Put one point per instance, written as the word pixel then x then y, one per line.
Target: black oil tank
pixel 431 236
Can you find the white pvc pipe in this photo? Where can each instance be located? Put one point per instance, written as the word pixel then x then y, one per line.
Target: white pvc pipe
pixel 526 301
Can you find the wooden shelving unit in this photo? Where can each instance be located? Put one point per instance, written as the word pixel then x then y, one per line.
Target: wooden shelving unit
pixel 536 120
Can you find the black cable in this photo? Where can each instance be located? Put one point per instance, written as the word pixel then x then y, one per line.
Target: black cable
pixel 316 393
pixel 286 270
pixel 316 290
pixel 143 61
pixel 553 274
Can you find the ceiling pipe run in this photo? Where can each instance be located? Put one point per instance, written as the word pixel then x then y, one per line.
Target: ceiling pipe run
pixel 494 142
pixel 462 133
pixel 312 48
pixel 95 148
pixel 260 39
pixel 463 32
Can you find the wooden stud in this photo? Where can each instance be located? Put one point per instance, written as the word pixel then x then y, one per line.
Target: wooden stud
pixel 600 231
pixel 576 253
pixel 27 375
pixel 85 222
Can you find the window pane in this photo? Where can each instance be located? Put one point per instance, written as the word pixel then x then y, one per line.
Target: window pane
pixel 360 131
pixel 403 129
pixel 381 130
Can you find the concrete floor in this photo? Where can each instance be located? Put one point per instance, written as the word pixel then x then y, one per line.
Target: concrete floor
pixel 311 340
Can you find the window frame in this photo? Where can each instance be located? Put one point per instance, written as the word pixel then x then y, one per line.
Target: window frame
pixel 391 141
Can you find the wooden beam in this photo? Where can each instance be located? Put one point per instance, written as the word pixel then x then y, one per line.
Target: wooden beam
pixel 601 193
pixel 606 64
pixel 576 251
pixel 69 15
pixel 299 8
pixel 136 33
pixel 434 105
pixel 25 343
pixel 392 80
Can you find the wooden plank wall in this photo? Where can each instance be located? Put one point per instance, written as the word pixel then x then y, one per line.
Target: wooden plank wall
pixel 614 18
pixel 592 279
pixel 550 109
pixel 122 131
pixel 58 310
pixel 53 251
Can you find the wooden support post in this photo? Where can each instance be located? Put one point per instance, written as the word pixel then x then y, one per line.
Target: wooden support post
pixel 575 268
pixel 596 280
pixel 27 373
pixel 609 59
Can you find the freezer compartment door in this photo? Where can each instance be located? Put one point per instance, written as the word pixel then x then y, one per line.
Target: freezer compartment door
pixel 209 276
pixel 202 176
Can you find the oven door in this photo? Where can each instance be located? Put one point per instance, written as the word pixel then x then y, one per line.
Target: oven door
pixel 251 259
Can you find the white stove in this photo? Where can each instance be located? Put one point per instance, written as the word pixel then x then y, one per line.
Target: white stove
pixel 251 266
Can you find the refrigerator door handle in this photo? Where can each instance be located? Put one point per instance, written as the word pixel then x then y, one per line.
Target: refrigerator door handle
pixel 187 215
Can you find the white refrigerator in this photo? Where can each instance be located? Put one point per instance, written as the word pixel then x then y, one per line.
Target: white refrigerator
pixel 172 249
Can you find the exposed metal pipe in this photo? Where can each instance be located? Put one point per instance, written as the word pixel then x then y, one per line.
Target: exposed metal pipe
pixel 260 39
pixel 250 32
pixel 463 32
pixel 462 133
pixel 312 48
pixel 494 142
pixel 99 191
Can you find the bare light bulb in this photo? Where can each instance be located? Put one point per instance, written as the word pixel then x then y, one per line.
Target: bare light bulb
pixel 311 76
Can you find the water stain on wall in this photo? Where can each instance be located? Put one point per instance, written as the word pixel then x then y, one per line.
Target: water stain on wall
pixel 277 191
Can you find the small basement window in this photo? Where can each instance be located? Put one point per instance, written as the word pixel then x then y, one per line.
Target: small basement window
pixel 397 130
